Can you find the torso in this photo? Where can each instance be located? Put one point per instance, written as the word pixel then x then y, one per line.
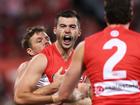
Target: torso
pixel 112 59
pixel 55 61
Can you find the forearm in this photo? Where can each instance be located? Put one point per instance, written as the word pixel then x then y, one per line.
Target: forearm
pixel 67 87
pixel 30 98
pixel 85 101
pixel 75 96
pixel 48 89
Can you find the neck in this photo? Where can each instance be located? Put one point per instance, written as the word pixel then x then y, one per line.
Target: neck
pixel 65 53
pixel 115 25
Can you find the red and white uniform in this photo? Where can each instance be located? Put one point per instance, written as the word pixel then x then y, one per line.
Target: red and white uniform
pixel 55 61
pixel 112 59
pixel 43 81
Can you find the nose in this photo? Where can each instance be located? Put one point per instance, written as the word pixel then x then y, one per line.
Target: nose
pixel 67 30
pixel 46 42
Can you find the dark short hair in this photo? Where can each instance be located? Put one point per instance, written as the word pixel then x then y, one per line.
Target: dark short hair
pixel 118 11
pixel 67 14
pixel 25 43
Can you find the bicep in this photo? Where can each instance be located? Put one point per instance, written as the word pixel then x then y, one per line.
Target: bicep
pixel 19 73
pixel 48 89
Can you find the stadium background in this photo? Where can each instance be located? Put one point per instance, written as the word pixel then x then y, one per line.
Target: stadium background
pixel 17 15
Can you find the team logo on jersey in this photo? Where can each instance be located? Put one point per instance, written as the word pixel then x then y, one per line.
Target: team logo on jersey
pixel 99 90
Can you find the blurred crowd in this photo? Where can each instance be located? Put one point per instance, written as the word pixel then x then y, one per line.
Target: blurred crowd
pixel 17 15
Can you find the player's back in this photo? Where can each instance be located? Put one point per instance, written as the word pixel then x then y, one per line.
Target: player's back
pixel 112 59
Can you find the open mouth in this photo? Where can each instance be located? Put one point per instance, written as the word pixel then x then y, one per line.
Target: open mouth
pixel 67 39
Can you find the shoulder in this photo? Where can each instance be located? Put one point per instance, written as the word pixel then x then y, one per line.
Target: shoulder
pixel 134 36
pixel 79 51
pixel 39 61
pixel 80 46
pixel 94 36
pixel 39 56
pixel 134 33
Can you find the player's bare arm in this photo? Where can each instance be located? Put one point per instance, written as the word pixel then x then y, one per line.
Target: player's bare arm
pixel 48 89
pixel 74 73
pixel 20 72
pixel 53 87
pixel 24 91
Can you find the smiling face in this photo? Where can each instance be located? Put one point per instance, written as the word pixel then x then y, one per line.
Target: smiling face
pixel 67 31
pixel 38 41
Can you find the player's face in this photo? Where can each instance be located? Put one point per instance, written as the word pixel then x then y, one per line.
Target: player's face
pixel 39 41
pixel 67 31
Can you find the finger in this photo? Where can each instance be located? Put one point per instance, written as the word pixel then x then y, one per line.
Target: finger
pixel 60 70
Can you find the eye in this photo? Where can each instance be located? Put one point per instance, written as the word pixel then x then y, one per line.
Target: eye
pixel 39 40
pixel 62 26
pixel 73 26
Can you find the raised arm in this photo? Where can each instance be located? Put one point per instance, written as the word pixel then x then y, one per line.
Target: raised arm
pixel 74 73
pixel 24 91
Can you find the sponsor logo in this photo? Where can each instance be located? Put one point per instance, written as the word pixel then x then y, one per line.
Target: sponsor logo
pixel 116 87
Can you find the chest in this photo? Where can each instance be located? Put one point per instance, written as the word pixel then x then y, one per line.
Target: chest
pixel 54 63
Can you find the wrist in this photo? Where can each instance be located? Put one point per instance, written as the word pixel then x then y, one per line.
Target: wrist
pixel 55 99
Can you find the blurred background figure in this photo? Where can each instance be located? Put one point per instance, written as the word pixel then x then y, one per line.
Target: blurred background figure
pixel 17 15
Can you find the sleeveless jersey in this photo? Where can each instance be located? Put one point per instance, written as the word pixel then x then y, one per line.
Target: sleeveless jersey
pixel 55 61
pixel 43 81
pixel 112 59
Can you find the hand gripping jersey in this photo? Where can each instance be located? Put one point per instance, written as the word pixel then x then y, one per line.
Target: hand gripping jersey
pixel 112 59
pixel 55 61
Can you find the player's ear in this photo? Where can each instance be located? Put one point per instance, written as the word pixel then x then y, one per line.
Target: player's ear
pixel 105 18
pixel 79 33
pixel 30 51
pixel 54 30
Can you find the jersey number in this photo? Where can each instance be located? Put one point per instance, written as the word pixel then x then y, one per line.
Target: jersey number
pixel 108 72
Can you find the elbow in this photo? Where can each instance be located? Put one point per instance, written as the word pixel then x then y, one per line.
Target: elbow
pixel 19 100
